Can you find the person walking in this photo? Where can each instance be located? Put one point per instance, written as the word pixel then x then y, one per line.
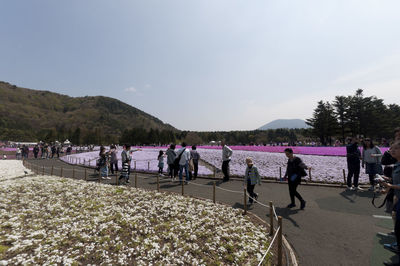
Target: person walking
pixel 184 153
pixel 294 171
pixel 371 160
pixel 195 157
pixel 395 153
pixel 36 151
pixel 226 158
pixel 160 159
pixel 171 155
pixel 126 158
pixel 113 159
pixel 103 163
pixel 18 153
pixel 251 178
pixel 353 156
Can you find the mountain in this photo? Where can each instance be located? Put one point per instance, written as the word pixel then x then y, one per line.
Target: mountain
pixel 27 114
pixel 285 123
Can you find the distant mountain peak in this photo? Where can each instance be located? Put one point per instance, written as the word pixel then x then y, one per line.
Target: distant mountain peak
pixel 285 123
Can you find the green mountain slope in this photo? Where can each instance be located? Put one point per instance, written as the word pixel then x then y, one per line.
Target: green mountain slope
pixel 27 114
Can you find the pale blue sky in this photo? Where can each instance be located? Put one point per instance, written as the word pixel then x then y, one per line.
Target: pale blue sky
pixel 205 64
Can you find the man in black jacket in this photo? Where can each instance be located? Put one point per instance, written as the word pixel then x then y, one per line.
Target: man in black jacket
pixel 353 155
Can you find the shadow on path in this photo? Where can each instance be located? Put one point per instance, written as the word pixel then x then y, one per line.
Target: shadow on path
pixel 286 213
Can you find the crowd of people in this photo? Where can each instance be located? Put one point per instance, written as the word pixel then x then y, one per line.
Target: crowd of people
pixel 383 171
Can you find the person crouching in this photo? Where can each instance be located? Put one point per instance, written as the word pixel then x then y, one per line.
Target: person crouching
pixel 251 178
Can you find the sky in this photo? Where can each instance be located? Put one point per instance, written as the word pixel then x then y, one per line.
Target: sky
pixel 205 65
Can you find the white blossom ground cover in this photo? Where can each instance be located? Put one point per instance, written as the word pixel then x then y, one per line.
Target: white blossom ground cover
pixel 52 220
pixel 327 169
pixel 10 169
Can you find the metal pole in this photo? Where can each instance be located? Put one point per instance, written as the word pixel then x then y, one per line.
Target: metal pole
pixel 214 192
pixel 271 219
pixel 245 202
pixel 280 241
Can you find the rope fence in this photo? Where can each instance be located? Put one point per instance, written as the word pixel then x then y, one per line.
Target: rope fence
pixel 272 212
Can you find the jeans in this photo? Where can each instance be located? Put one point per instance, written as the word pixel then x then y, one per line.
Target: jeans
pixel 354 170
pixel 186 167
pixel 293 191
pixel 104 171
pixel 225 169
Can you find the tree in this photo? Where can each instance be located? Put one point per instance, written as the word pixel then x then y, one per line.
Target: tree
pixel 323 122
pixel 341 105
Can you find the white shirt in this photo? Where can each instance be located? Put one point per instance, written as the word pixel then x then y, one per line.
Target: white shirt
pixel 185 156
pixel 226 153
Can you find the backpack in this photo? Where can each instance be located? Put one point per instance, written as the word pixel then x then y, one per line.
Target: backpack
pixel 177 159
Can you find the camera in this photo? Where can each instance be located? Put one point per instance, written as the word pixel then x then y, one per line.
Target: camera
pixel 378 178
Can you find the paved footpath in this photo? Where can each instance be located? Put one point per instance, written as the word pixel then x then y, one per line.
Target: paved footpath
pixel 337 227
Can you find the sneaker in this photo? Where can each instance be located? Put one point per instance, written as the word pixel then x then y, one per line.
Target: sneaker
pixel 109 178
pixel 103 178
pixel 392 247
pixel 127 181
pixel 349 188
pixel 358 188
pixel 256 196
pixel 291 205
pixel 302 205
pixel 371 188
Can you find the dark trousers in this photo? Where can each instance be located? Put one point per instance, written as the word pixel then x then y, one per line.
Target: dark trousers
pixel 112 165
pixel 250 191
pixel 196 168
pixel 293 191
pixel 35 154
pixel 173 171
pixel 354 170
pixel 225 169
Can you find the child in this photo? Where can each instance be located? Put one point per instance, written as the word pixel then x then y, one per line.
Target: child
pixel 160 163
pixel 251 178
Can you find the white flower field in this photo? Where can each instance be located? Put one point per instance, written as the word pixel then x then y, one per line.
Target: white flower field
pixel 53 220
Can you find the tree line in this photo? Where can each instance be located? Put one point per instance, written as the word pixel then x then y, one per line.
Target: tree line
pixel 354 115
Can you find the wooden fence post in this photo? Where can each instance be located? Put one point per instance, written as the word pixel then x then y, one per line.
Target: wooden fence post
pixel 52 170
pixel 43 170
pixel 271 219
pixel 73 172
pixel 135 165
pixel 215 171
pixel 85 174
pixel 245 202
pixel 344 177
pixel 148 166
pixel 280 173
pixel 309 173
pixel 183 189
pixel 61 173
pixel 214 192
pixel 158 183
pixel 135 180
pixel 280 241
